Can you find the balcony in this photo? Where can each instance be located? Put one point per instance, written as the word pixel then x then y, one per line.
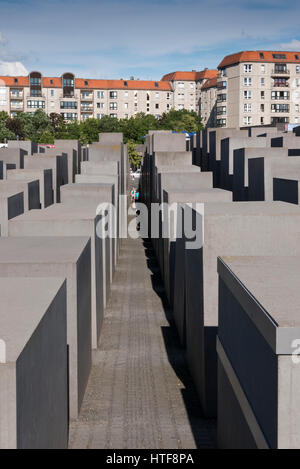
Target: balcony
pixel 281 85
pixel 17 106
pixel 16 95
pixel 280 72
pixel 85 108
pixel 89 97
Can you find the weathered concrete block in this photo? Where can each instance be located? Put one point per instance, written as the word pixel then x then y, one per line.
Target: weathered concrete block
pixel 258 388
pixel 27 145
pixel 71 156
pixel 110 195
pixel 65 257
pixel 230 229
pixel 61 220
pixel 111 138
pixel 240 168
pixel 99 153
pixel 261 172
pixel 13 157
pixel 45 178
pixel 58 164
pixel 30 188
pixel 11 205
pixel 168 230
pixel 286 188
pixel 74 148
pixel 165 141
pixel 34 364
pixel 228 145
pixel 288 140
pixel 103 168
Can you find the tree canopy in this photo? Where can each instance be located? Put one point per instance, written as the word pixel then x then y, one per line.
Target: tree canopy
pixel 41 128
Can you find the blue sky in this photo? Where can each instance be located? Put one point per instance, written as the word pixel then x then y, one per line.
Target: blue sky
pixel 140 38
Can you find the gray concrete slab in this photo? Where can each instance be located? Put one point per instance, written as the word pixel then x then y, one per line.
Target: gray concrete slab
pixel 72 147
pixel 261 172
pixel 258 324
pixel 57 163
pixel 34 364
pixel 240 167
pixel 70 258
pixel 71 156
pixel 12 157
pixel 60 220
pixel 103 168
pixel 11 205
pixel 45 178
pixel 253 228
pixel 30 147
pixel 111 138
pixel 30 188
pixel 286 187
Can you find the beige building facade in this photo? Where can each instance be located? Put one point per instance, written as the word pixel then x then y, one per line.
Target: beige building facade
pixel 76 98
pixel 258 88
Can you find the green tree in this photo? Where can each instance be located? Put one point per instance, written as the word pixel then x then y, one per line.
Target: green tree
pixel 89 131
pixel 46 137
pixel 133 155
pixel 5 133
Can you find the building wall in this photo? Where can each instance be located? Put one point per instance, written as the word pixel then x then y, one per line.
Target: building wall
pixel 250 89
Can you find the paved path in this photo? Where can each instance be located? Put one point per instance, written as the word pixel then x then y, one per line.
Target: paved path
pixel 139 394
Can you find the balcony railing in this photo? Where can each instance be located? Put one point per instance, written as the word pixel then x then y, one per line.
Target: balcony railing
pixel 16 96
pixel 281 85
pixel 276 71
pixel 87 108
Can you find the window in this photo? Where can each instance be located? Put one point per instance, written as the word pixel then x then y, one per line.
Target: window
pixel 2 91
pixel 168 95
pixel 279 56
pixel 35 93
pixel 280 95
pixel 247 94
pixel 262 68
pixel 262 121
pixel 156 84
pixel 181 85
pixel 86 94
pixel 192 86
pixel 191 97
pixel 296 56
pixel 35 80
pixel 69 115
pixel 281 82
pixel 126 116
pixel 113 115
pixel 3 102
pixel 296 107
pixel 280 108
pixel 15 80
pixel 180 95
pixel 297 68
pixel 280 68
pixel 248 68
pixel 261 55
pixel 126 105
pixel 156 95
pixel 99 116
pixel 262 108
pixel 36 104
pixel 100 105
pixel 86 83
pixel 180 106
pixel 100 94
pixel 68 105
pixel 262 95
pixel 113 106
pixel 156 106
pixel 247 81
pixel 221 122
pixel 247 107
pixel 297 82
pixel 262 82
pixel 51 82
pixel 125 83
pixel 221 97
pixel 51 103
pixel 52 93
pixel 113 94
pixel 221 110
pixel 125 94
pixel 247 120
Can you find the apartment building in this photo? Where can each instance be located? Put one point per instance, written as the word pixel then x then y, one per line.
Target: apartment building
pixel 186 87
pixel 258 88
pixel 208 103
pixel 76 98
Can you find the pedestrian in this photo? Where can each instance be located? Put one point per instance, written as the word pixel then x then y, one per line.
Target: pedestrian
pixel 137 195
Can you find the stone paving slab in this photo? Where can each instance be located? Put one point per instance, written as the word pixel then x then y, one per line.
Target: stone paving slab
pixel 140 394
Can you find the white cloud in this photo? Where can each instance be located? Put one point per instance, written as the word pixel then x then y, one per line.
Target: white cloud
pixel 12 68
pixel 292 45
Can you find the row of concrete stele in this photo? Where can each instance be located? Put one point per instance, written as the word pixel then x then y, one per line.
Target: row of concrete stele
pixel 55 276
pixel 233 285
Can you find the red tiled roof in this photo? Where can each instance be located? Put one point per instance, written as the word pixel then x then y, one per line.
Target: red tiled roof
pixel 212 83
pixel 92 84
pixel 190 76
pixel 254 56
